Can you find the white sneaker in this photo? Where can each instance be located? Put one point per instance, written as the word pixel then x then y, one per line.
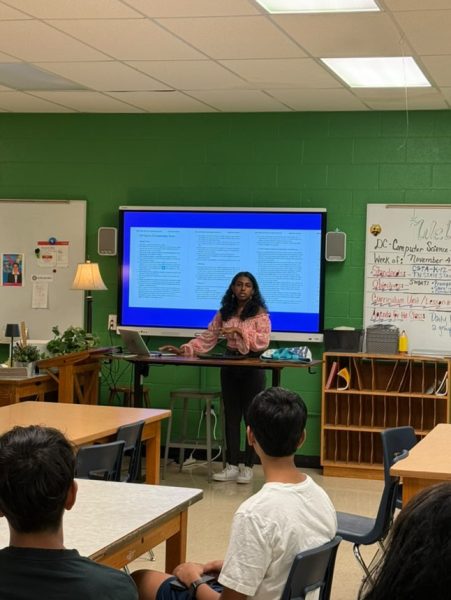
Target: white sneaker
pixel 245 474
pixel 230 473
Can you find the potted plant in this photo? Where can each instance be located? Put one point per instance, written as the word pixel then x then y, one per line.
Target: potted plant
pixel 26 355
pixel 73 339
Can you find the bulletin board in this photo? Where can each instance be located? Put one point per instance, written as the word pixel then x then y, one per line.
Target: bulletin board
pixel 408 273
pixel 41 243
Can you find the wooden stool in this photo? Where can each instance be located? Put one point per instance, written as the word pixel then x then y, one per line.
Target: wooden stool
pixel 207 444
pixel 128 395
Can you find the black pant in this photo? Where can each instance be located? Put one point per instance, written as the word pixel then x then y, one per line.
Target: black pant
pixel 239 386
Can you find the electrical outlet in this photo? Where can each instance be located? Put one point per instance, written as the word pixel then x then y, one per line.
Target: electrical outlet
pixel 112 322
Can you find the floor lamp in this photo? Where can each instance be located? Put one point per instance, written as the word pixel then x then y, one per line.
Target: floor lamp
pixel 88 278
pixel 12 331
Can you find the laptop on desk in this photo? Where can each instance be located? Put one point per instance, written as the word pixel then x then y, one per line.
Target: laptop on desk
pixel 134 344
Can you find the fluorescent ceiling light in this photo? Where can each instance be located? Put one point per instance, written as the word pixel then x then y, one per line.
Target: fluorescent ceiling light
pixel 24 76
pixel 316 6
pixel 378 72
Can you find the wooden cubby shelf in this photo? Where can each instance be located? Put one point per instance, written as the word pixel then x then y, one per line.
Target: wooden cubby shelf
pixel 382 390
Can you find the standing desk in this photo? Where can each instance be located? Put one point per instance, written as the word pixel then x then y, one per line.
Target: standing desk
pixel 85 424
pixel 428 462
pixel 142 365
pixel 113 523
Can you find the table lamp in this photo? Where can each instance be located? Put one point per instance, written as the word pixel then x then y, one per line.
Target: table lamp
pixel 12 331
pixel 88 278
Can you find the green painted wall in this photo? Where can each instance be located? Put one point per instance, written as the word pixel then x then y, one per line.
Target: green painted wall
pixel 340 161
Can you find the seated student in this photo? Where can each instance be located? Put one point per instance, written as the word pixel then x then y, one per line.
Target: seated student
pixel 37 466
pixel 291 513
pixel 417 563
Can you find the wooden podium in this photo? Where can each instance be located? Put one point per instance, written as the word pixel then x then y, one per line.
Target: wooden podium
pixel 77 376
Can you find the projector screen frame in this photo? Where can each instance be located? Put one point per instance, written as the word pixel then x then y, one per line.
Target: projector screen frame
pixel 188 332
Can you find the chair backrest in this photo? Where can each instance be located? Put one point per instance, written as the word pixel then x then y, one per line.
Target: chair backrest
pixel 386 511
pixel 101 461
pixel 311 570
pixel 131 435
pixel 394 442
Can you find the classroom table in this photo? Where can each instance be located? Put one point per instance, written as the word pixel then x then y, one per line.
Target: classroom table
pixel 428 462
pixel 114 523
pixel 14 389
pixel 143 363
pixel 86 424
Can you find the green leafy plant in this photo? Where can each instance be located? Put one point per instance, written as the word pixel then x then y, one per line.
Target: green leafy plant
pixel 26 354
pixel 73 339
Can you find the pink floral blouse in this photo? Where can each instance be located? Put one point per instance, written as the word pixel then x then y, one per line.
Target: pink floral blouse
pixel 255 335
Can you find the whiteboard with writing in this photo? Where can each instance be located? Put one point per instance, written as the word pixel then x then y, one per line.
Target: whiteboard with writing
pixel 408 273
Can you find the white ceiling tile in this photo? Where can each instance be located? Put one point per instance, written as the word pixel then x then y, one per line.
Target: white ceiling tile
pixel 35 41
pixel 75 9
pixel 343 35
pixel 395 99
pixel 191 74
pixel 21 102
pixel 86 101
pixel 235 37
pixel 438 68
pixel 311 100
pixel 283 72
pixel 104 76
pixel 427 31
pixel 7 12
pixel 194 8
pixel 446 91
pixel 240 101
pixel 395 5
pixel 5 58
pixel 129 39
pixel 162 102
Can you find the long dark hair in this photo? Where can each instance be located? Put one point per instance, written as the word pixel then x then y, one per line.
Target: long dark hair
pixel 417 564
pixel 229 303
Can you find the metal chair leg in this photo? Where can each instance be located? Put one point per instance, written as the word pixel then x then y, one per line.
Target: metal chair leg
pixel 362 562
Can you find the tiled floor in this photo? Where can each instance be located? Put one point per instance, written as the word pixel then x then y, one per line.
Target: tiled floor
pixel 209 520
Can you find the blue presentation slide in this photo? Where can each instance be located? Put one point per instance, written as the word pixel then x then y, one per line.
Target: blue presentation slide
pixel 176 265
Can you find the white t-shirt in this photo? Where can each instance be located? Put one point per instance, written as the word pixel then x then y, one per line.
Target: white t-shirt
pixel 269 529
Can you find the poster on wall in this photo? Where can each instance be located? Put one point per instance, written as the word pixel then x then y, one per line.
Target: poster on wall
pixel 12 269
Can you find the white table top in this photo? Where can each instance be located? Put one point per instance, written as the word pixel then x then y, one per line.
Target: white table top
pixel 107 511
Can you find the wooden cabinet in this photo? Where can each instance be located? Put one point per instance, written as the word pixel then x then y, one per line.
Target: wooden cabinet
pixel 382 391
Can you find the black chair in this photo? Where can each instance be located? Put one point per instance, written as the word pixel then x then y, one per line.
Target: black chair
pixel 131 435
pixel 101 461
pixel 311 570
pixel 365 531
pixel 395 441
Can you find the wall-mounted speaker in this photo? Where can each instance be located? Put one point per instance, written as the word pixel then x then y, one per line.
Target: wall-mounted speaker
pixel 107 241
pixel 335 246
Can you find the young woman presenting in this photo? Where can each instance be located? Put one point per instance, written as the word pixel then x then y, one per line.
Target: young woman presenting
pixel 244 321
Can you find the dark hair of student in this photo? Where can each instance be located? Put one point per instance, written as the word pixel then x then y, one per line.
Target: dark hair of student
pixel 277 419
pixel 417 563
pixel 37 466
pixel 229 303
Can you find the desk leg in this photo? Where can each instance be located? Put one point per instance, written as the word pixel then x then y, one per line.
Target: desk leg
pixel 66 384
pixel 275 377
pixel 176 545
pixel 140 371
pixel 412 485
pixel 152 439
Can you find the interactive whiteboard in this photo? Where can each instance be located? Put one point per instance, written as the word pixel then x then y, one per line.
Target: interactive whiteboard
pixel 408 273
